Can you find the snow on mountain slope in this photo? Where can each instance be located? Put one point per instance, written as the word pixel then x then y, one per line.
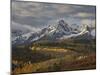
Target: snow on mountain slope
pixel 75 35
pixel 61 30
pixel 25 38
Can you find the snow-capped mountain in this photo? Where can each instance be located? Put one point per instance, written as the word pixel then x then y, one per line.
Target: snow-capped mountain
pixel 59 31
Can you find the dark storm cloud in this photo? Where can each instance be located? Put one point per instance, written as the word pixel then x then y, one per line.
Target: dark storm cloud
pixel 39 14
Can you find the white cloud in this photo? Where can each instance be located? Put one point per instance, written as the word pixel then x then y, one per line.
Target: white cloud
pixel 88 22
pixel 24 28
pixel 93 33
pixel 83 15
pixel 63 8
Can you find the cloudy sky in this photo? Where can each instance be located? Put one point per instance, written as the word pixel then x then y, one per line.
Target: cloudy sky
pixel 33 15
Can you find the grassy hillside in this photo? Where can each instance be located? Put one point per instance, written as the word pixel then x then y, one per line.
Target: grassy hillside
pixel 53 56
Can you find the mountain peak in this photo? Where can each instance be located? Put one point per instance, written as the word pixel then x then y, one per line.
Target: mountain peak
pixel 62 22
pixel 63 26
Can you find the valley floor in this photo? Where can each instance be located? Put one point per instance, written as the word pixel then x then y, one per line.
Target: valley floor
pixel 50 59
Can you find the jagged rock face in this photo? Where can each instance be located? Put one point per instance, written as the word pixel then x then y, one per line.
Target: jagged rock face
pixel 64 26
